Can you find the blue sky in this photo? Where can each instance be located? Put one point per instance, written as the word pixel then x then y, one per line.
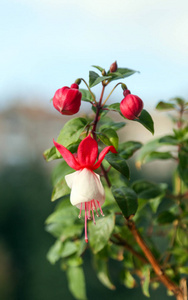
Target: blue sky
pixel 46 44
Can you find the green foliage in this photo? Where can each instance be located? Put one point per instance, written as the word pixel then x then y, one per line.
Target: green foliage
pixel 118 163
pixel 126 199
pixel 76 281
pixel 109 137
pixel 86 95
pixel 101 267
pixel 71 131
pixel 101 232
pixel 95 79
pixel 146 120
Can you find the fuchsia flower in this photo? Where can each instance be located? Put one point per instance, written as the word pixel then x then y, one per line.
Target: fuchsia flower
pixel 67 100
pixel 87 192
pixel 131 106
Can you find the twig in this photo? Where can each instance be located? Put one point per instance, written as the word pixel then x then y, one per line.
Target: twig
pixel 170 285
pixel 123 243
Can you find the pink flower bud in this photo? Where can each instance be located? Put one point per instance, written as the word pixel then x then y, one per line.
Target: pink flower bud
pixel 113 67
pixel 131 106
pixel 67 100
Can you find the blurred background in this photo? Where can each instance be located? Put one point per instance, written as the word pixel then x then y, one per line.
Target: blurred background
pixel 46 44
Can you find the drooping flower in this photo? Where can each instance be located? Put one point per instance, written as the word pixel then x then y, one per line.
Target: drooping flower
pixel 68 100
pixel 131 106
pixel 87 192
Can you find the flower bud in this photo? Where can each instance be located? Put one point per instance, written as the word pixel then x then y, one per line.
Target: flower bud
pixel 103 73
pixel 131 106
pixel 126 92
pixel 67 100
pixel 74 86
pixel 78 81
pixel 113 67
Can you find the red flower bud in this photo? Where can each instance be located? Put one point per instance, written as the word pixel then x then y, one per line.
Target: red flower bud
pixel 126 92
pixel 113 67
pixel 131 106
pixel 67 100
pixel 74 86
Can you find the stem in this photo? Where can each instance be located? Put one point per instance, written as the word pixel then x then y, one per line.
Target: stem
pixel 170 285
pixel 123 243
pixel 111 93
pixel 98 105
pixel 89 90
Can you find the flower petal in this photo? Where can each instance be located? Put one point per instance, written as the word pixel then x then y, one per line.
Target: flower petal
pixel 87 152
pixel 68 156
pixel 102 155
pixel 86 186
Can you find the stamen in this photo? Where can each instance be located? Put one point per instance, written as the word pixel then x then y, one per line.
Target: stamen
pixel 93 213
pixel 95 208
pixel 79 216
pixel 89 210
pixel 102 214
pixel 86 238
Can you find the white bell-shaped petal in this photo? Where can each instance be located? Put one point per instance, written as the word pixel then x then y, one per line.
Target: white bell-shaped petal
pixel 85 186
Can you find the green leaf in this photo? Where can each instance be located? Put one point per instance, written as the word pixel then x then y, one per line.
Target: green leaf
pixel 99 234
pixel 165 106
pixel 51 154
pixel 146 150
pixel 74 261
pixel 60 171
pixel 148 190
pixel 95 79
pixel 109 137
pixel 182 237
pixel 54 252
pixel 86 95
pixel 168 140
pixel 158 155
pixel 127 149
pixel 183 165
pixel 61 189
pixel 145 281
pixel 76 282
pixel 98 68
pixel 127 279
pixel 68 249
pixel 112 125
pixel 65 214
pixel 166 217
pixel 179 101
pixel 114 107
pixel 126 198
pixel 71 131
pixel 146 120
pixel 183 270
pixel 121 73
pixel 118 163
pixel 101 267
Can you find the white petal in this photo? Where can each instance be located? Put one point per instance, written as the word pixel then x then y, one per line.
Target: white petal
pixel 86 186
pixel 70 178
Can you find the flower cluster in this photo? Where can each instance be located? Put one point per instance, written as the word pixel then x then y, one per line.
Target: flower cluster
pixel 87 192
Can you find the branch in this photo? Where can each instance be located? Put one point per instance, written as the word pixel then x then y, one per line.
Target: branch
pixel 123 243
pixel 156 267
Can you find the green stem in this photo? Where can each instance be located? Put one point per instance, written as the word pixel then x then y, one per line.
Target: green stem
pixel 89 90
pixel 111 93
